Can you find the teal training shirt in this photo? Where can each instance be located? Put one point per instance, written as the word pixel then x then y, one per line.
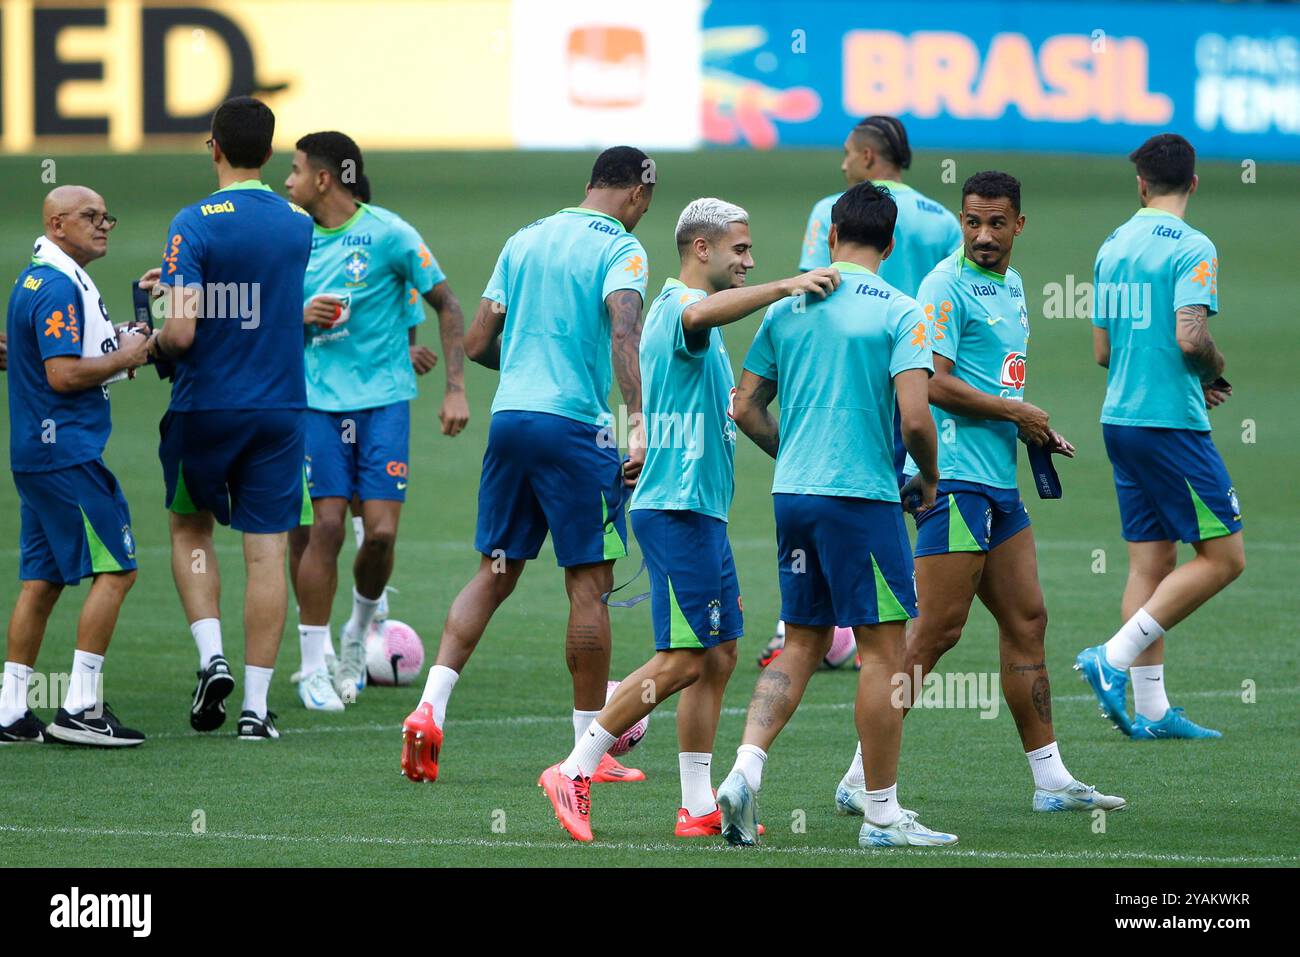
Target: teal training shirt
pixel 834 362
pixel 375 260
pixel 1148 269
pixel 552 277
pixel 978 320
pixel 686 385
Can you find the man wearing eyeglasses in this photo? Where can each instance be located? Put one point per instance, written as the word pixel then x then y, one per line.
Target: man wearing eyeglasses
pixel 75 520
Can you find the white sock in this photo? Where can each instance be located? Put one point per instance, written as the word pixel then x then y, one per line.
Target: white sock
pixel 697 782
pixel 854 777
pixel 13 696
pixel 1047 767
pixel 359 530
pixel 581 721
pixel 587 751
pixel 85 683
pixel 882 806
pixel 329 644
pixel 750 761
pixel 1150 699
pixel 207 635
pixel 311 639
pixel 1137 635
pixel 437 690
pixel 257 682
pixel 363 612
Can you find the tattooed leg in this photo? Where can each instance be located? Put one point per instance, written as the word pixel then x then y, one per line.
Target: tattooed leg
pixel 782 683
pixel 586 646
pixel 1010 590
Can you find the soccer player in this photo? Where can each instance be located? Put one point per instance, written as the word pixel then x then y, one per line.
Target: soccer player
pixel 360 382
pixel 232 438
pixel 977 541
pixel 1163 370
pixel 842 551
pixel 679 513
pixel 877 150
pixel 564 299
pixel 423 361
pixel 75 520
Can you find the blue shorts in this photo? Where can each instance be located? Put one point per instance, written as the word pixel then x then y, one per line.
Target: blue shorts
pixel 842 561
pixel 75 524
pixel 1172 485
pixel 694 593
pixel 546 472
pixel 969 517
pixel 245 467
pixel 360 453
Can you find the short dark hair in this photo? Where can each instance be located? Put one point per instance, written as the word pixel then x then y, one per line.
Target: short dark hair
pixel 243 127
pixel 339 154
pixel 888 137
pixel 620 167
pixel 993 184
pixel 865 214
pixel 1167 162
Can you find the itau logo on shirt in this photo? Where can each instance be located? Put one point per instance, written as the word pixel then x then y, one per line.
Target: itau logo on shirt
pixel 1013 370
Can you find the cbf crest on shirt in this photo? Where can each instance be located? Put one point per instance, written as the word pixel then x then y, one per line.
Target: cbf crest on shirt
pixel 377 263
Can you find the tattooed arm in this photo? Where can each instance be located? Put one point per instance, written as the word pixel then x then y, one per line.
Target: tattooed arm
pixel 752 415
pixel 454 414
pixel 624 308
pixel 1202 355
pixel 483 341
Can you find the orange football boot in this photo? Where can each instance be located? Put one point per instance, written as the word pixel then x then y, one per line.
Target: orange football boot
pixel 421 743
pixel 610 771
pixel 708 825
pixel 571 799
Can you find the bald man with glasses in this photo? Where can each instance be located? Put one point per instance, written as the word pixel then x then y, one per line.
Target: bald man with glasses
pixel 62 353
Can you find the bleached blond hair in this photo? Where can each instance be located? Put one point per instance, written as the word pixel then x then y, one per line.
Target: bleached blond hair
pixel 709 217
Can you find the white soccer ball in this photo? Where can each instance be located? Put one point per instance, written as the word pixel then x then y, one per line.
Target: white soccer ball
pixel 394 653
pixel 630 738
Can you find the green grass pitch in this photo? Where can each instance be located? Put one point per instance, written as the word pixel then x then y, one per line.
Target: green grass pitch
pixel 329 792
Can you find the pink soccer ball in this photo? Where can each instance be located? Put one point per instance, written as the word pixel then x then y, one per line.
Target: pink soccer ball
pixel 843 648
pixel 394 654
pixel 630 738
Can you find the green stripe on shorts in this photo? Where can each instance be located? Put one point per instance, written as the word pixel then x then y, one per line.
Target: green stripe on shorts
pixel 888 607
pixel 101 559
pixel 1208 525
pixel 960 538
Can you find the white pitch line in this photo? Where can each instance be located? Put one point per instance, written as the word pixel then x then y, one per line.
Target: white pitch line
pixel 526 719
pixel 711 848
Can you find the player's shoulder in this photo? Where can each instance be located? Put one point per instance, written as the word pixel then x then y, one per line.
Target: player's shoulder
pixel 823 206
pixel 945 273
pixel 42 282
pixel 384 217
pixel 1015 281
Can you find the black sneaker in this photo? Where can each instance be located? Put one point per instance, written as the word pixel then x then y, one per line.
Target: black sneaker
pixel 208 711
pixel 254 728
pixel 97 727
pixel 28 729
